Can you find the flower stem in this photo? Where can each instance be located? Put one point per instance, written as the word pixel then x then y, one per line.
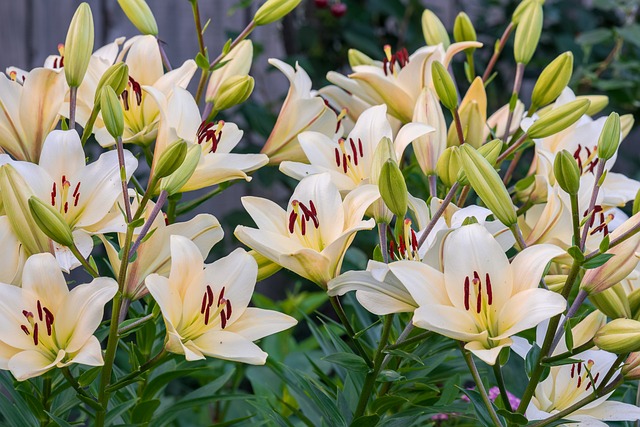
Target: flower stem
pixel 162 198
pixel 582 295
pixel 512 167
pixel 512 148
pixel 438 214
pixel 575 218
pixel 163 55
pixel 370 380
pixel 402 341
pixel 458 122
pixel 463 195
pixel 497 371
pixel 517 233
pixel 592 204
pixel 76 386
pixel 468 358
pixel 73 100
pixel 567 354
pixel 74 250
pixel 148 365
pixel 517 83
pixel 382 235
pixel 243 35
pixel 497 52
pixel 123 179
pixel 203 49
pixel 335 303
pixel 135 324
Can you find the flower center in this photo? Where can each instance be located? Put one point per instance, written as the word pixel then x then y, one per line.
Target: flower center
pixel 60 197
pixel 587 159
pixel 581 382
pixel 348 157
pixel 133 91
pixel 473 296
pixel 301 215
pixel 222 309
pixel 394 61
pixel 602 220
pixel 209 136
pixel 58 62
pixel 36 327
pixel 405 243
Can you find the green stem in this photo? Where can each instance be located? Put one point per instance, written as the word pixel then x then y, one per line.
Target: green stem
pixel 512 167
pixel 163 55
pixel 414 339
pixel 46 396
pixel 123 179
pixel 438 214
pixel 567 354
pixel 88 127
pixel 335 303
pixel 575 218
pixel 185 207
pixel 497 371
pixel 75 385
pixel 512 148
pixel 74 250
pixel 243 35
pixel 382 236
pixel 370 380
pixel 468 358
pixel 517 84
pixel 592 204
pixel 497 52
pixel 135 324
pixel 73 100
pixel 458 123
pixel 463 195
pixel 203 49
pixel 610 373
pixel 158 359
pixel 517 233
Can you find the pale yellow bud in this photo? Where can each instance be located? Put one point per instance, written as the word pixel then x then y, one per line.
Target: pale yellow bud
pixel 174 182
pixel 472 127
pixel 598 103
pixel 140 15
pixel 528 33
pixel 235 90
pixel 236 63
pixel 445 88
pixel 558 119
pixel 116 76
pixel 566 172
pixel 613 302
pixel 631 367
pixel 393 188
pixel 463 30
pixel 266 267
pixel 619 336
pixel 50 222
pixel 433 30
pixel 358 58
pixel 552 81
pixel 112 113
pixel 428 148
pixel 273 10
pixel 490 151
pixel 449 165
pixel 171 159
pixel 78 45
pixel 609 137
pixel 384 151
pixel 626 124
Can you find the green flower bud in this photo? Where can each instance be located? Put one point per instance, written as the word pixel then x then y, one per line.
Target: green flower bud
pixel 78 46
pixel 463 30
pixel 384 151
pixel 567 173
pixel 266 267
pixel 171 159
pixel 140 16
pixel 445 88
pixel 116 76
pixel 174 182
pixel 619 336
pixel 552 81
pixel 558 119
pixel 50 222
pixel 393 188
pixel 490 151
pixel 235 90
pixel 609 137
pixel 634 304
pixel 528 33
pixel 112 113
pixel 272 10
pixel 517 13
pixel 626 124
pixel 613 302
pixel 487 183
pixel 358 58
pixel 433 30
pixel 448 166
pixel 472 126
pixel 598 103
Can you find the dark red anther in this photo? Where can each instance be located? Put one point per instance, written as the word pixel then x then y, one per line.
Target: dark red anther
pixel 203 307
pixel 228 310
pixel 360 147
pixel 337 153
pixel 489 289
pixel 223 319
pixel 48 327
pixel 579 382
pixel 35 334
pixel 206 315
pixel 573 370
pixel 292 221
pixel 344 162
pixel 25 329
pixel 66 207
pixel 220 297
pixel 312 206
pixel 39 306
pixel 27 314
pixel 579 368
pixel 385 65
pixel 479 297
pixel 125 99
pixel 414 240
pixel 53 195
pixel 303 227
pixel 76 198
pixel 402 246
pixel 75 191
pixel 466 293
pixel 48 315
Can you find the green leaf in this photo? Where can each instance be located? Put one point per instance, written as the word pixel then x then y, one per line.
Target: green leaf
pixel 59 421
pixel 630 33
pixel 531 360
pixel 604 246
pixel 158 383
pixel 568 335
pixel 480 408
pixel 87 377
pixel 389 375
pixel 593 37
pixel 202 62
pixel 576 253
pixel 406 355
pixel 349 361
pixel 597 261
pixel 366 421
pixel 143 412
pixel 567 361
pixel 513 417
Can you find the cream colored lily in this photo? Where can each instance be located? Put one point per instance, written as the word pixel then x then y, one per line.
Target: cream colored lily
pixel 180 119
pixel 13 254
pixel 29 111
pixel 237 63
pixel 480 298
pixel 300 112
pixel 47 326
pixel 141 114
pixel 312 235
pixel 205 306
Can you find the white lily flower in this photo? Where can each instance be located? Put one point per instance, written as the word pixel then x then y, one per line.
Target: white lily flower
pixel 180 119
pixel 301 111
pixel 13 254
pixel 47 326
pixel 480 298
pixel 312 235
pixel 205 306
pixel 83 194
pixel 350 161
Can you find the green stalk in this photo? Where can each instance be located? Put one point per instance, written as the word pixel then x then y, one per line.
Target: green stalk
pixel 335 303
pixel 468 358
pixel 497 371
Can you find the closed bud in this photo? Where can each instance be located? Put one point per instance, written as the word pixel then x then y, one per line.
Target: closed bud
pixel 358 58
pixel 171 159
pixel 552 81
pixel 445 88
pixel 613 302
pixel 558 119
pixel 619 336
pixel 626 124
pixel 384 151
pixel 272 10
pixel 609 137
pixel 173 183
pixel 393 188
pixel 517 13
pixel 140 16
pixel 433 30
pixel 50 222
pixel 472 124
pixel 636 203
pixel 598 103
pixel 266 267
pixel 116 76
pixel 112 113
pixel 528 33
pixel 488 185
pixel 567 173
pixel 631 367
pixel 463 30
pixel 448 166
pixel 236 63
pixel 78 45
pixel 490 151
pixel 235 90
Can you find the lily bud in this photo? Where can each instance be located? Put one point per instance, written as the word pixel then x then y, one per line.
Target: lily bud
pixel 618 267
pixel 609 137
pixel 567 173
pixel 433 30
pixel 266 267
pixel 237 63
pixel 393 188
pixel 472 126
pixel 487 183
pixel 235 90
pixel 358 58
pixel 174 182
pixel 631 367
pixel 140 16
pixel 272 10
pixel 448 166
pixel 78 45
pixel 116 76
pixel 445 88
pixel 619 336
pixel 171 159
pixel 429 147
pixel 384 151
pixel 490 151
pixel 552 81
pixel 517 13
pixel 50 222
pixel 598 103
pixel 528 33
pixel 112 113
pixel 613 302
pixel 558 119
pixel 463 30
pixel 626 124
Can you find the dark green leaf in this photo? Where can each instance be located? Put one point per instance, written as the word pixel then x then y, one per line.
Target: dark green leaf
pixel 597 261
pixel 349 361
pixel 513 417
pixel 202 61
pixel 532 358
pixel 366 421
